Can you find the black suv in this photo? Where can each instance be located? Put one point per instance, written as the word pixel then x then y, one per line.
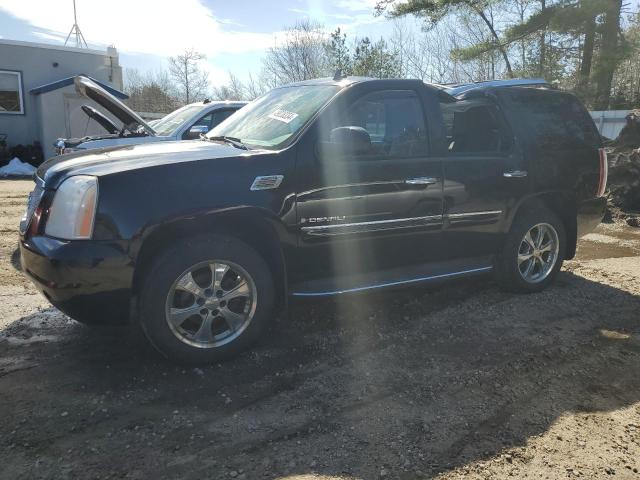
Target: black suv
pixel 318 188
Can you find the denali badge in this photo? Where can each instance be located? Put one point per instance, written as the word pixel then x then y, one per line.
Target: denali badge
pixel 267 182
pixel 337 218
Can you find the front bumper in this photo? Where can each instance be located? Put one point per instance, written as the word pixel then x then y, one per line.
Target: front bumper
pixel 88 280
pixel 590 214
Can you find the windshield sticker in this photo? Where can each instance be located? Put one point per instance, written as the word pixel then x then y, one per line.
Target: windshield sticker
pixel 283 115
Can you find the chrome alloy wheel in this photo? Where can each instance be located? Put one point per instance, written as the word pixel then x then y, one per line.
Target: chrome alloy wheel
pixel 211 304
pixel 538 253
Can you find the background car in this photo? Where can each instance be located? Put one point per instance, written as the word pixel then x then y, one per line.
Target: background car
pixel 186 123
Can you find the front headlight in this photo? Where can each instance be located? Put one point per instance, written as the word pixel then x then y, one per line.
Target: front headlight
pixel 73 210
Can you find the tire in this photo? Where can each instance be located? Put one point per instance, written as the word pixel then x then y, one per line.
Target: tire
pixel 511 264
pixel 168 303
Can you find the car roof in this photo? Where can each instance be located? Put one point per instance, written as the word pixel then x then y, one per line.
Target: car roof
pixel 479 92
pixel 222 103
pixel 342 81
pixel 457 89
pixel 352 80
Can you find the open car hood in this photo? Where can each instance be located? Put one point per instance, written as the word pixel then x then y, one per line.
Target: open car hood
pixel 131 120
pixel 104 121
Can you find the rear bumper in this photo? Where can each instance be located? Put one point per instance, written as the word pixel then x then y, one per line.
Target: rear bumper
pixel 88 280
pixel 590 214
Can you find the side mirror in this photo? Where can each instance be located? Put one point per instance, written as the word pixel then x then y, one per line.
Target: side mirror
pixel 353 139
pixel 197 130
pixel 345 142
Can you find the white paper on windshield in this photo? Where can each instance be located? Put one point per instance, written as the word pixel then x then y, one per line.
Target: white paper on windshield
pixel 283 115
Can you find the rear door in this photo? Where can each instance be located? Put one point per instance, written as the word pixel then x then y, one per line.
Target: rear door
pixel 483 176
pixel 561 140
pixel 374 210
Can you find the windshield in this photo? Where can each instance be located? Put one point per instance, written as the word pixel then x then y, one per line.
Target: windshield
pixel 169 123
pixel 271 120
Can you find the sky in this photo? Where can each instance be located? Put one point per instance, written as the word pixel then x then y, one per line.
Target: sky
pixel 233 34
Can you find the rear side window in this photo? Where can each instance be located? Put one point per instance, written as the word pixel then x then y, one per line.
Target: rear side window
pixel 555 120
pixel 475 126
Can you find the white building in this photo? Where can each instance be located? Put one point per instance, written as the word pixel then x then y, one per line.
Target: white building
pixel 37 98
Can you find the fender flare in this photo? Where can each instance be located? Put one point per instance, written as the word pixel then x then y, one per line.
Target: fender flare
pixel 560 201
pixel 238 221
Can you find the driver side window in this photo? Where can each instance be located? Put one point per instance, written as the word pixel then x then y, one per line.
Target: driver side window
pixel 382 125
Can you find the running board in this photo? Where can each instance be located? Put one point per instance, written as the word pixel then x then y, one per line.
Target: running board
pixel 392 278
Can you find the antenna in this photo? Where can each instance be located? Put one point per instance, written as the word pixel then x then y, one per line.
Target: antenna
pixel 75 30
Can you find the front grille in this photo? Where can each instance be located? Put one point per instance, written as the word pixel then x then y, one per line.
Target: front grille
pixel 32 204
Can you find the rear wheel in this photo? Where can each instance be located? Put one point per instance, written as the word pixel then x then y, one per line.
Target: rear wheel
pixel 206 299
pixel 533 252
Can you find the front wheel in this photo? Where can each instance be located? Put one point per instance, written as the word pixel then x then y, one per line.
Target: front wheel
pixel 533 252
pixel 206 299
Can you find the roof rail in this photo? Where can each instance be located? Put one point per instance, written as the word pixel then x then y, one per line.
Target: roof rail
pixel 458 89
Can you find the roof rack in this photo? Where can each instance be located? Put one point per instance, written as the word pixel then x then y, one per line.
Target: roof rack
pixel 458 89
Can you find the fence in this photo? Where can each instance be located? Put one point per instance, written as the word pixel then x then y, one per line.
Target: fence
pixel 609 122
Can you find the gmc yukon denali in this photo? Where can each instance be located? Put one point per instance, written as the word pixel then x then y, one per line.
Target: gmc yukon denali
pixel 319 188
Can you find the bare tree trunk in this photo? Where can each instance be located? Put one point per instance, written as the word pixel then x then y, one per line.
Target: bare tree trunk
pixel 587 56
pixel 496 38
pixel 543 44
pixel 608 57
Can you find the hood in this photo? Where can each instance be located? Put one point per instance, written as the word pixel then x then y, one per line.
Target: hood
pixel 91 90
pixel 104 121
pixel 105 161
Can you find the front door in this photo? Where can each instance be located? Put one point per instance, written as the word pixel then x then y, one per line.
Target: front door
pixel 375 208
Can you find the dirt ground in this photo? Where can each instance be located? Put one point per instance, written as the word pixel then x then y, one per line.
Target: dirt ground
pixel 463 380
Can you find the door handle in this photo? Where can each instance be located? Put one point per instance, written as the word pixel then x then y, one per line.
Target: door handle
pixel 421 181
pixel 515 174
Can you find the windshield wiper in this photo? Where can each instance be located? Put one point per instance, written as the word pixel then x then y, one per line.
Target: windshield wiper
pixel 236 142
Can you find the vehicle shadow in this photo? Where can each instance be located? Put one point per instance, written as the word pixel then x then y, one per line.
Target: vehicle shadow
pixel 416 382
pixel 15 259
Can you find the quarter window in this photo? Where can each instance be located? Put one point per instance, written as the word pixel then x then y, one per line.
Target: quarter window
pixel 556 120
pixel 11 100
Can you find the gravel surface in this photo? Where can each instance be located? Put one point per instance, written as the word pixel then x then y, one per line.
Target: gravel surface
pixel 459 381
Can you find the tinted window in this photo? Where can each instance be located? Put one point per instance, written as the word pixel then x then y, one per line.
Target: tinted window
pixel 555 120
pixel 393 120
pixel 475 126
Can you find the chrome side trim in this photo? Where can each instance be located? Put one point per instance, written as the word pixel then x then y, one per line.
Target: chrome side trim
pixel 390 284
pixel 473 214
pixel 335 229
pixel 515 174
pixel 421 181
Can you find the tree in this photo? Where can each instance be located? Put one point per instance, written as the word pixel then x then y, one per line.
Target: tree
pixel 626 80
pixel 609 56
pixel 374 59
pixel 192 82
pixel 594 25
pixel 150 92
pixel 434 11
pixel 233 90
pixel 254 89
pixel 301 55
pixel 338 52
